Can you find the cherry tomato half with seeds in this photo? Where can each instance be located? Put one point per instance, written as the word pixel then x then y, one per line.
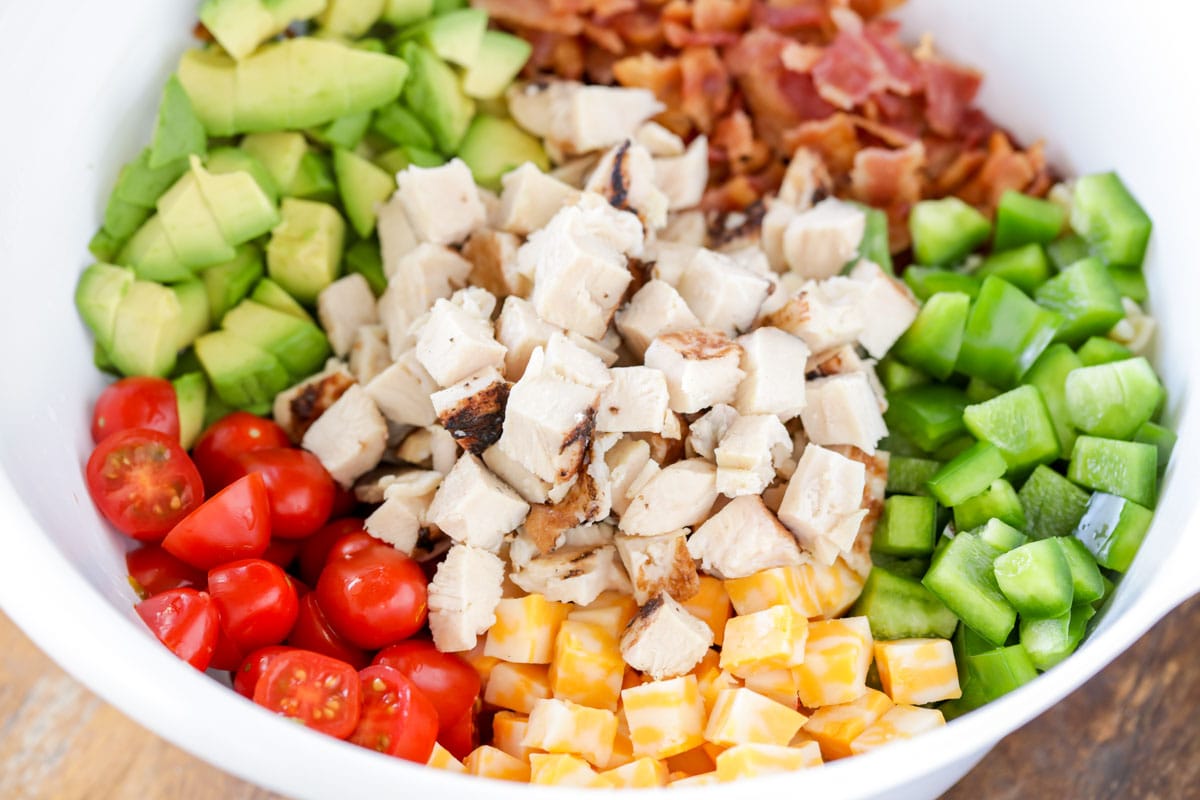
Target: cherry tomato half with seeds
pixel 216 451
pixel 374 597
pixel 321 692
pixel 313 632
pixel 396 718
pixel 139 402
pixel 186 621
pixel 246 676
pixel 300 489
pixel 143 482
pixel 315 549
pixel 257 602
pixel 234 523
pixel 153 571
pixel 446 679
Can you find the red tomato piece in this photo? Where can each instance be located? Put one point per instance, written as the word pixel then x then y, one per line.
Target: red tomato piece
pixel 353 544
pixel 396 718
pixel 185 620
pixel 257 602
pixel 216 451
pixel 373 597
pixel 315 549
pixel 281 552
pixel 153 570
pixel 143 482
pixel 344 501
pixel 140 402
pixel 246 676
pixel 226 654
pixel 233 524
pixel 322 692
pixel 313 632
pixel 460 736
pixel 445 678
pixel 300 489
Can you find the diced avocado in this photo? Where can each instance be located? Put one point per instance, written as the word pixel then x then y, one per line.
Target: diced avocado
pixel 98 294
pixel 293 84
pixel 121 219
pixel 190 227
pixel 300 346
pixel 454 36
pixel 305 251
pixel 347 131
pixel 434 94
pixel 186 362
pixel 215 408
pixel 225 160
pixel 104 246
pixel 178 132
pixel 400 126
pixel 151 256
pixel 364 258
pixel 240 26
pixel 399 159
pixel 494 146
pixel 446 6
pixel 141 184
pixel 195 318
pixel 191 390
pixel 227 284
pixel 103 361
pixel 280 152
pixel 241 373
pixel 501 57
pixel 350 18
pixel 314 180
pixel 362 185
pixel 242 210
pixel 270 293
pixel 406 12
pixel 146 333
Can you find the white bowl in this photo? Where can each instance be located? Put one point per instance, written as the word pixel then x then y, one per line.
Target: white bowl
pixel 1109 86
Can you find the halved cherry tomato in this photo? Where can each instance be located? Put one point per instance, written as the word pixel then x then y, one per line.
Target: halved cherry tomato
pixel 246 676
pixel 322 692
pixel 139 402
pixel 185 621
pixel 315 549
pixel 300 489
pixel 344 501
pixel 313 632
pixel 445 678
pixel 460 736
pixel 143 482
pixel 153 570
pixel 257 602
pixel 396 718
pixel 374 597
pixel 353 544
pixel 233 524
pixel 216 451
pixel 281 552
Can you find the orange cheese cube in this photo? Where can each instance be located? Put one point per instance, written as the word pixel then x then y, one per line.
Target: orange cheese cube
pixel 835 587
pixel 508 733
pixel 622 750
pixel 482 664
pixel 834 727
pixel 712 683
pixel 917 671
pixel 560 769
pixel 587 667
pixel 612 610
pixel 692 762
pixel 781 685
pixel 900 722
pixel 752 760
pixel 642 773
pixel 441 758
pixel 711 605
pixel 524 630
pixel 704 779
pixel 773 638
pixel 517 686
pixel 491 762
pixel 665 717
pixel 778 586
pixel 560 726
pixel 836 659
pixel 741 716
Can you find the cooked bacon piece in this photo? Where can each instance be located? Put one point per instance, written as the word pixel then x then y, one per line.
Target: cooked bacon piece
pixel 641 28
pixel 720 15
pixel 734 137
pixel 903 73
pixel 789 17
pixel 949 91
pixel 891 180
pixel 535 14
pixel 663 76
pixel 1003 169
pixel 705 86
pixel 834 139
pixel 850 71
pixel 606 38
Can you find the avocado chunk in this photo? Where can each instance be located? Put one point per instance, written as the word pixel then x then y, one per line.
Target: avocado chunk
pixel 178 132
pixel 501 57
pixel 191 391
pixel 455 36
pixel 240 26
pixel 494 146
pixel 401 127
pixel 228 284
pixel 99 292
pixel 364 258
pixel 195 318
pixel 314 181
pixel 280 152
pixel 270 293
pixel 145 335
pixel 104 246
pixel 242 374
pixel 363 186
pixel 240 207
pixel 347 131
pixel 434 94
pixel 300 346
pixel 406 12
pixel 190 227
pixel 141 184
pixel 293 84
pixel 151 255
pixel 350 18
pixel 122 219
pixel 399 159
pixel 225 160
pixel 305 250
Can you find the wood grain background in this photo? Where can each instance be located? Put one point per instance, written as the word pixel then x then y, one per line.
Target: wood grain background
pixel 1133 733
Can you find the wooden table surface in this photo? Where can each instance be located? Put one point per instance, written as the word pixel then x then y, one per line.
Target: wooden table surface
pixel 1132 733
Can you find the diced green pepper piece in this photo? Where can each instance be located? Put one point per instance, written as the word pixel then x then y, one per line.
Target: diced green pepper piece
pixel 945 231
pixel 1162 438
pixel 968 474
pixel 908 475
pixel 907 526
pixel 913 568
pixel 1113 400
pixel 998 501
pixel 874 246
pixel 1019 425
pixel 1105 214
pixel 1067 250
pixel 1053 505
pixel 1049 374
pixel 901 608
pixel 1130 282
pixel 364 258
pixel 962 577
pixel 1085 572
pixel 995 673
pixel 1036 579
pixel 925 282
pixel 1001 536
pixel 1098 350
pixel 953 448
pixel 933 340
pixel 1025 267
pixel 1081 614
pixel 897 376
pixel 1129 469
pixel 1005 333
pixel 930 415
pixel 1087 299
pixel 1047 641
pixel 1112 529
pixel 1021 219
pixel 979 391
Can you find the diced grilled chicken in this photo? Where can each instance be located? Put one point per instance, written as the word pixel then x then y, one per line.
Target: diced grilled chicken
pixel 588 499
pixel 565 358
pixel 888 308
pixel 655 309
pixel 573 574
pixel 805 180
pixel 671 260
pixel 705 433
pixel 531 488
pixel 530 198
pixel 749 453
pixel 350 437
pixel 473 409
pixel 401 519
pixel 818 242
pixel 743 538
pixel 659 565
pixel 774 381
pixel 858 557
pixel 701 368
pixel 297 408
pixel 475 507
pixel 844 360
pixel 625 176
pixel 843 409
pixel 520 330
pixel 423 275
pixel 463 596
pixel 370 487
pixel 664 640
pixel 686 228
pixel 723 294
pixel 605 349
pixel 774 225
pixel 402 391
pixel 635 400
pixel 658 140
pixel 823 502
pixel 493 257
pixel 442 203
pixel 396 236
pixel 343 307
pixel 575 118
pixel 825 314
pixel 455 343
pixel 369 353
pixel 683 178
pixel 678 496
pixel 1136 331
pixel 626 462
pixel 431 447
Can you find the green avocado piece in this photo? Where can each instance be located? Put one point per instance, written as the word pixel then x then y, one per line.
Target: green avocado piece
pixel 280 152
pixel 102 361
pixel 399 159
pixel 300 346
pixel 225 160
pixel 304 254
pixel 151 255
pixel 104 246
pixel 145 335
pixel 446 6
pixel 350 18
pixel 240 207
pixel 190 226
pixel 345 131
pixel 364 258
pixel 314 180
pixel 178 132
pixel 406 12
pixel 401 126
pixel 270 293
pixel 434 94
pixel 228 284
pixel 195 318
pixel 122 219
pixel 242 374
pixel 362 186
pixel 141 184
pixel 501 57
pixel 293 84
pixel 240 26
pixel 455 36
pixel 494 146
pixel 98 294
pixel 191 391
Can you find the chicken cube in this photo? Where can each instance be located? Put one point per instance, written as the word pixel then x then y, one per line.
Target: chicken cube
pixel 530 198
pixel 560 726
pixel 532 488
pixel 819 241
pixel 441 203
pixel 825 314
pixel 402 391
pixel 491 762
pixel 578 118
pixel 401 518
pixel 891 308
pixel 842 409
pixel 521 331
pixel 343 307
pixel 774 225
pixel 659 564
pixel 806 177
pixel 454 343
pixel 678 496
pixel 625 176
pixel 685 227
pixel 683 178
pixel 635 400
pixel 566 359
pixel 573 574
pixel 517 686
pixel 587 667
pixel 835 727
pixel 743 538
pixel 493 257
pixel 754 760
pixel 900 722
pixel 665 717
pixel 524 630
pixel 706 432
pixel 740 716
pixel 463 596
pixel 670 261
pixel 663 640
pixel 917 671
pixel 396 236
pixel 773 638
pixel 473 409
pixel 297 408
pixel 836 659
pixel 844 360
pixel 723 294
pixel 369 353
pixel 823 502
pixel 422 276
pixel 349 438
pixel 655 309
pixel 475 507
pixel 659 141
pixel 749 453
pixel 774 383
pixel 626 461
pixel 701 368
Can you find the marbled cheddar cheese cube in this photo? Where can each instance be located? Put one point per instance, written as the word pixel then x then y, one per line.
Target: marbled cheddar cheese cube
pixel 560 769
pixel 482 664
pixel 900 722
pixel 753 760
pixel 622 752
pixel 641 773
pixel 781 685
pixel 835 587
pixel 696 761
pixel 835 727
pixel 713 680
pixel 491 762
pixel 836 660
pixel 917 671
pixel 560 726
pixel 711 605
pixel 665 717
pixel 525 628
pixel 773 638
pixel 689 781
pixel 517 686
pixel 612 610
pixel 587 666
pixel 741 716
pixel 441 758
pixel 778 586
pixel 508 734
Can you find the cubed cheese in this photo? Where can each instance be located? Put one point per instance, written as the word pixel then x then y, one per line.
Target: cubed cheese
pixel 748 454
pixel 843 409
pixel 573 574
pixel 713 680
pixel 636 400
pixel 836 586
pixel 350 437
pixel 774 383
pixel 890 308
pixel 756 760
pixel 625 176
pixel 441 758
pixel 473 409
pixel 664 640
pixel 642 773
pixel 491 762
pixel 778 586
pixel 517 686
pixel 665 717
pixel 825 314
pixel 563 769
pixel 723 294
pixel 463 596
pixel 706 432
pixel 369 353
pixel 900 722
pixel 654 309
pixel 525 628
pixel 343 307
pixel 454 343
pixel 701 368
pixel 402 391
pixel 780 685
pixel 676 497
pixel 560 726
pixel 683 178
pixel 659 564
pixel 611 611
pixel 475 507
pixel 441 203
pixel 917 671
pixel 530 198
pixel 587 667
pixel 818 242
pixel 508 734
pixel 823 502
pixel 740 716
pixel 743 538
pixel 710 605
pixel 773 638
pixel 836 659
pixel 835 727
